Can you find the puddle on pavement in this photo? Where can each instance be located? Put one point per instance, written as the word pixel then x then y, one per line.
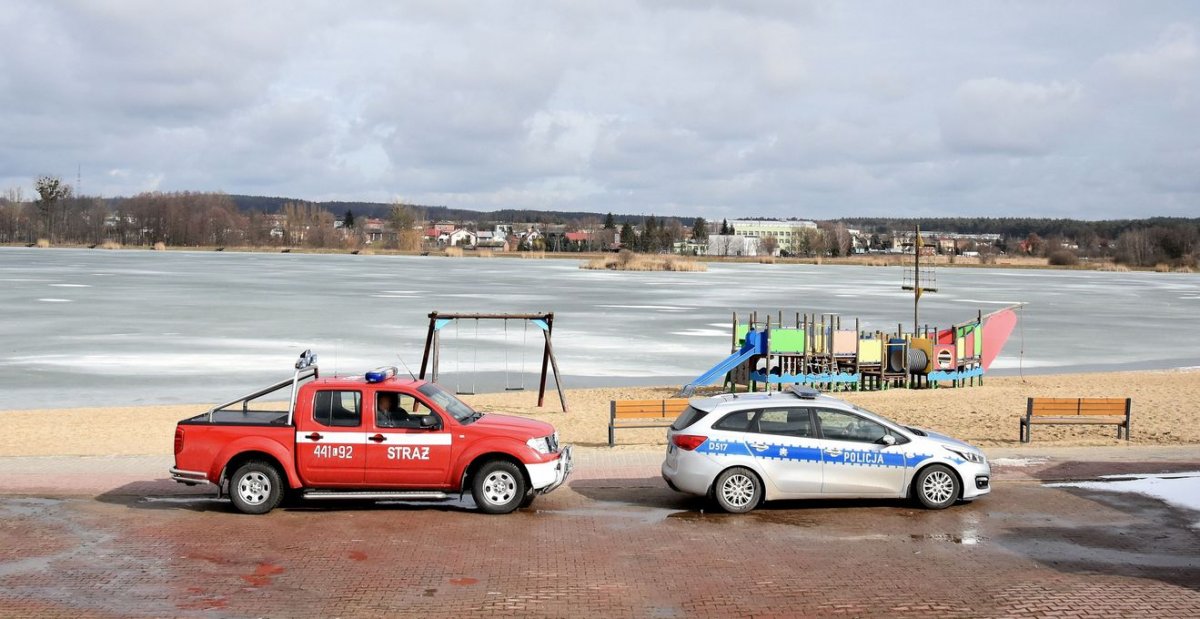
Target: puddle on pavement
pixel 647 515
pixel 771 516
pixel 966 539
pixel 190 500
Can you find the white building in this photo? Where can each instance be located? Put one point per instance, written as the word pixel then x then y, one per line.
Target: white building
pixel 732 245
pixel 461 237
pixel 788 233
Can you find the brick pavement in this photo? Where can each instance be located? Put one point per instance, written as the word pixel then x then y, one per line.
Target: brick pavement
pixel 614 542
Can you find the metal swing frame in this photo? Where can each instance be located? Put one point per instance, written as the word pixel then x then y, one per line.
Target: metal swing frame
pixel 430 359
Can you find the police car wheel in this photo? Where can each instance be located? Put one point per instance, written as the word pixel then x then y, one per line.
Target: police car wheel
pixel 498 487
pixel 936 487
pixel 255 488
pixel 737 490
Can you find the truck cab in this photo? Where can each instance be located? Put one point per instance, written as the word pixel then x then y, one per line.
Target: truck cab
pixel 373 436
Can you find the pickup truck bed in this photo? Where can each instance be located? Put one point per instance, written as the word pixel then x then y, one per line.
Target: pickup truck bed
pixel 244 418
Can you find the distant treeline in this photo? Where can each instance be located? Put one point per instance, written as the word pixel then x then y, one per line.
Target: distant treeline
pixel 1140 242
pixel 1019 227
pixel 204 218
pixel 433 213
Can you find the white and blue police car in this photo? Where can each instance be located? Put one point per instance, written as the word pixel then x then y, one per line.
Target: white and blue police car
pixel 742 449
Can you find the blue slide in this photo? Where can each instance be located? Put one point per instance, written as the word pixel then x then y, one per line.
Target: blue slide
pixel 756 344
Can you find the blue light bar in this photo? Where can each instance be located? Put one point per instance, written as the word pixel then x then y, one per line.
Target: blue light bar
pixel 381 374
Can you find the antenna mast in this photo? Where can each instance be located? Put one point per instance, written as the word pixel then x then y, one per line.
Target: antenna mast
pixel 912 279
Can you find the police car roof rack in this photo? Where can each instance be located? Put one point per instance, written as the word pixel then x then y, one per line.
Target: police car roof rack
pixel 804 392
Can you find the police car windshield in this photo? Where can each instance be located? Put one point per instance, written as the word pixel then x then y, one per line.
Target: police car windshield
pixel 449 403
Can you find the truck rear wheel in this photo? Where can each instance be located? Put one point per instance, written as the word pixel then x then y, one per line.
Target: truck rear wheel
pixel 255 488
pixel 498 487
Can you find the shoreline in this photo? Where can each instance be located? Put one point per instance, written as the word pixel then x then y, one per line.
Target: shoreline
pixel 871 260
pixel 1164 413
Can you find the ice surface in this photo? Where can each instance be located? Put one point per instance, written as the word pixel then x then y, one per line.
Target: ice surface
pixel 200 326
pixel 1179 489
pixel 1017 462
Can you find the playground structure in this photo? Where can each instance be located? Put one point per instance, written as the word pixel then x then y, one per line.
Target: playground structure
pixel 817 350
pixel 431 358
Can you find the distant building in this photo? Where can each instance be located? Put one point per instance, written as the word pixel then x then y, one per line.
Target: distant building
pixel 733 245
pixel 461 238
pixel 789 234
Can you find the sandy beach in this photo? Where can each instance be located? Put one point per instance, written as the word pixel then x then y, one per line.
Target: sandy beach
pixel 1166 405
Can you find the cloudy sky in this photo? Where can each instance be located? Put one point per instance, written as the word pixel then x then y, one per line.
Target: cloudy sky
pixel 762 108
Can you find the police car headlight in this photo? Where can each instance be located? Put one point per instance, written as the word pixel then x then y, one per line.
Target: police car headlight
pixel 540 445
pixel 969 456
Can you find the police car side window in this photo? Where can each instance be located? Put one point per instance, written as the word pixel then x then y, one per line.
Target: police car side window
pixel 338 408
pixel 740 421
pixel 842 426
pixel 786 421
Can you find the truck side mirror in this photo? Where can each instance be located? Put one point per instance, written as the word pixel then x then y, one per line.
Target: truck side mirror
pixel 429 421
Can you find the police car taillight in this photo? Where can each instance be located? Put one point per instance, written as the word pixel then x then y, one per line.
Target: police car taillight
pixel 688 442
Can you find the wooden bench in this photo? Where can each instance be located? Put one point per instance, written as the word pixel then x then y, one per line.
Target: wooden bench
pixel 642 414
pixel 1113 411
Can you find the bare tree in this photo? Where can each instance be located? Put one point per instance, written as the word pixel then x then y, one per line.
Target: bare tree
pixel 768 244
pixel 405 221
pixel 51 193
pixel 1136 247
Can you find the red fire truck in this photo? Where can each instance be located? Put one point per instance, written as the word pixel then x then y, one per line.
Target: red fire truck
pixel 375 437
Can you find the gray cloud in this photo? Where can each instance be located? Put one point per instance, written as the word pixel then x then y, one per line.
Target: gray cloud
pixel 808 109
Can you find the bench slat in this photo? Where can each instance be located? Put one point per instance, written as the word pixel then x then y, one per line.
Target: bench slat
pixel 1076 411
pixel 1077 420
pixel 643 414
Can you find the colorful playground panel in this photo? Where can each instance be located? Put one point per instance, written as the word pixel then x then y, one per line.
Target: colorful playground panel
pixel 953 354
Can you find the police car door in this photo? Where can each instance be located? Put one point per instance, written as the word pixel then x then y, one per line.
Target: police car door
pixel 330 441
pixel 409 447
pixel 854 462
pixel 787 450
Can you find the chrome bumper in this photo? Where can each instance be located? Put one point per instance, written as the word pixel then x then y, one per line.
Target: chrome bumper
pixel 190 478
pixel 561 471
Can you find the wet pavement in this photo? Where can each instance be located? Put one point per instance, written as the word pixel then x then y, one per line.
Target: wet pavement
pixel 616 544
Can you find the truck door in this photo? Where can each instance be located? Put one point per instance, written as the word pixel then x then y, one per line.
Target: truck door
pixel 409 444
pixel 331 439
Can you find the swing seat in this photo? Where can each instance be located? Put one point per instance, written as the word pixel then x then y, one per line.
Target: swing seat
pixel 514 389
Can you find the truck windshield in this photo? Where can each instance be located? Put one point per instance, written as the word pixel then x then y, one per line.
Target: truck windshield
pixel 449 403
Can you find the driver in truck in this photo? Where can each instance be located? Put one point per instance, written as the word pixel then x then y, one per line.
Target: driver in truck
pixel 388 413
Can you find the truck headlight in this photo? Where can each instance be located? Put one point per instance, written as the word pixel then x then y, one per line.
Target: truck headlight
pixel 540 445
pixel 969 456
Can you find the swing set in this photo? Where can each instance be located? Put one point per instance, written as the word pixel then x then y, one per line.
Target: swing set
pixel 431 359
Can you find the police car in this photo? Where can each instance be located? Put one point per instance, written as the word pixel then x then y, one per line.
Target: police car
pixel 741 449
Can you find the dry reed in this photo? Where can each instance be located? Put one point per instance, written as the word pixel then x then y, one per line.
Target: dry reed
pixel 628 261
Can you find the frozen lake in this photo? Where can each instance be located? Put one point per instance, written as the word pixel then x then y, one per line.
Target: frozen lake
pixel 93 327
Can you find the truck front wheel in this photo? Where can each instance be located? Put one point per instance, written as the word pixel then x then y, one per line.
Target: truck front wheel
pixel 255 488
pixel 498 487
